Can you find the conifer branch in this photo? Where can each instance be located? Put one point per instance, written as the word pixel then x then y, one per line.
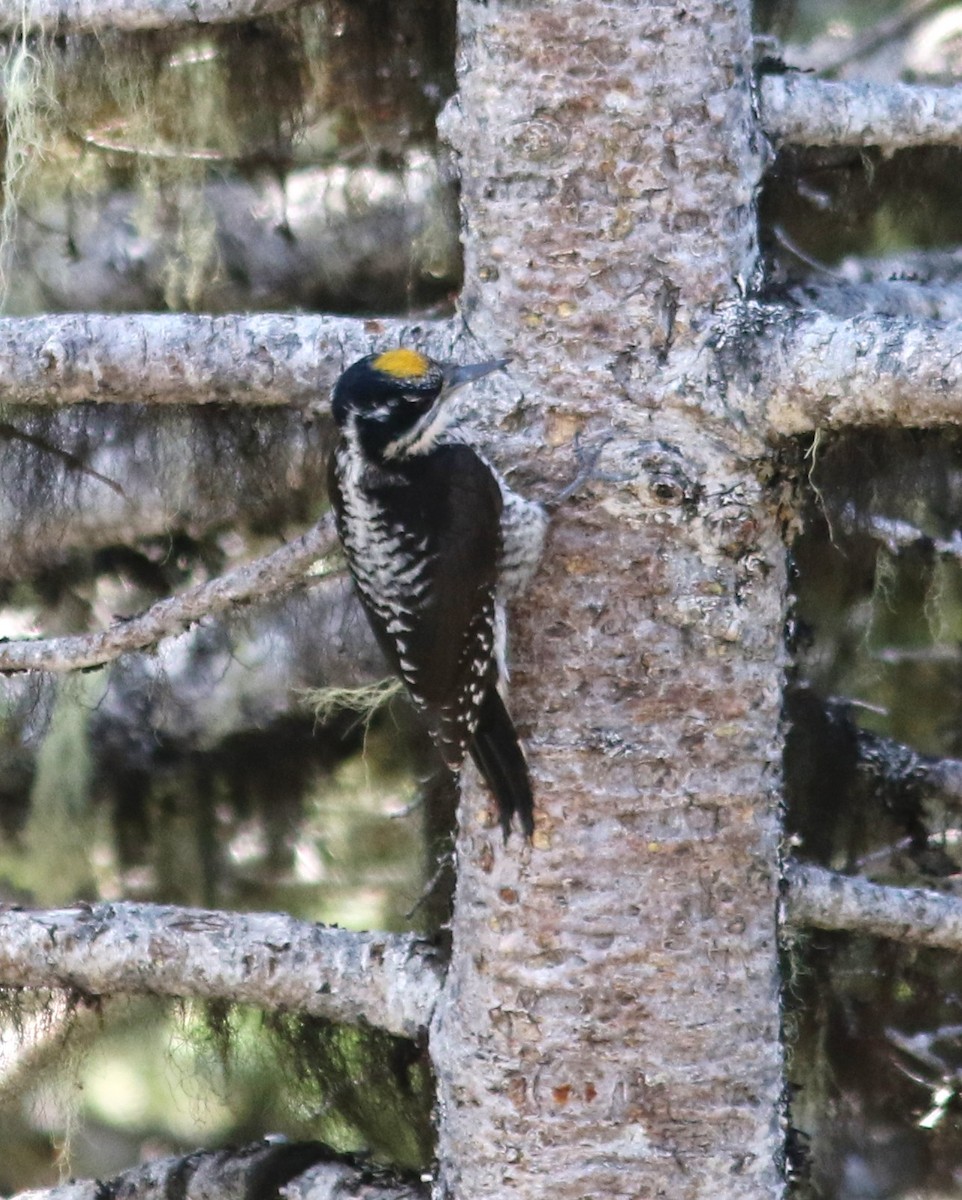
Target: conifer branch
pixel 824 899
pixel 269 960
pixel 809 370
pixel 271 1168
pixel 803 110
pixel 180 358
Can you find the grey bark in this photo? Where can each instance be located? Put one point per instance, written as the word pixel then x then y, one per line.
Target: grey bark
pixel 919 287
pixel 794 369
pixel 610 1019
pixel 159 359
pixel 807 370
pixel 339 1182
pixel 823 899
pixel 803 110
pixel 267 959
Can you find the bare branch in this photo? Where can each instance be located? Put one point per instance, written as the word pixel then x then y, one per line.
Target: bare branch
pixel 826 900
pixel 908 298
pixel 896 534
pixel 808 370
pixel 255 580
pixel 191 359
pixel 197 689
pixel 296 1170
pixel 269 960
pixel 805 111
pixel 918 284
pixel 91 16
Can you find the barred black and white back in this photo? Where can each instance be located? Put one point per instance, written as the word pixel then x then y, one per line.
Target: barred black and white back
pixel 437 544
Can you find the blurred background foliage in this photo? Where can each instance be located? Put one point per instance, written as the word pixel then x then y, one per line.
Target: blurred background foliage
pixel 823 208
pixel 874 703
pixel 286 163
pixel 874 729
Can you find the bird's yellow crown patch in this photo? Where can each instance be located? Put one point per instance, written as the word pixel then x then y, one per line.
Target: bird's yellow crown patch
pixel 402 364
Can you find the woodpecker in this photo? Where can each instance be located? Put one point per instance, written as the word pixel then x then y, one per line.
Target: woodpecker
pixel 436 543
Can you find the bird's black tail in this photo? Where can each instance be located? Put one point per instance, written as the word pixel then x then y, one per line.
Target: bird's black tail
pixel 500 759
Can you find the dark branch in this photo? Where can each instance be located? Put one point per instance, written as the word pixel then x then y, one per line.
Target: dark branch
pixel 304 1170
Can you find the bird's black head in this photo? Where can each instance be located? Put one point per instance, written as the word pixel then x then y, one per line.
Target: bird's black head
pixel 395 403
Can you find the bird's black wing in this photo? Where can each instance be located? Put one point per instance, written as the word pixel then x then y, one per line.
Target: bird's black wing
pixel 433 606
pixel 435 618
pixel 500 759
pixel 450 507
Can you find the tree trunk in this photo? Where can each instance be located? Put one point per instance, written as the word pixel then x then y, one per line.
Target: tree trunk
pixel 609 1026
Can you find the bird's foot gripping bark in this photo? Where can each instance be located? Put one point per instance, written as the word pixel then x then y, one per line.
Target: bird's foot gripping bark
pixel 587 459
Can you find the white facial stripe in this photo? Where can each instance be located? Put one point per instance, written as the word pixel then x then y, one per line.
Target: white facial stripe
pixel 425 432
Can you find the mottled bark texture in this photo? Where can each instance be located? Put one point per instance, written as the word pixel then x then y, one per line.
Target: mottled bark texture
pixel 822 899
pixel 610 1022
pixel 809 370
pixel 815 112
pixel 186 359
pixel 267 959
pixel 873 356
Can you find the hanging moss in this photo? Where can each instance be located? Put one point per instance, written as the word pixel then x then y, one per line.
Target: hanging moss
pixel 169 116
pixel 366 1089
pixel 29 108
pixel 61 835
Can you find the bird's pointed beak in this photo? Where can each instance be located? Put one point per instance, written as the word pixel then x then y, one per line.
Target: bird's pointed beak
pixel 458 374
